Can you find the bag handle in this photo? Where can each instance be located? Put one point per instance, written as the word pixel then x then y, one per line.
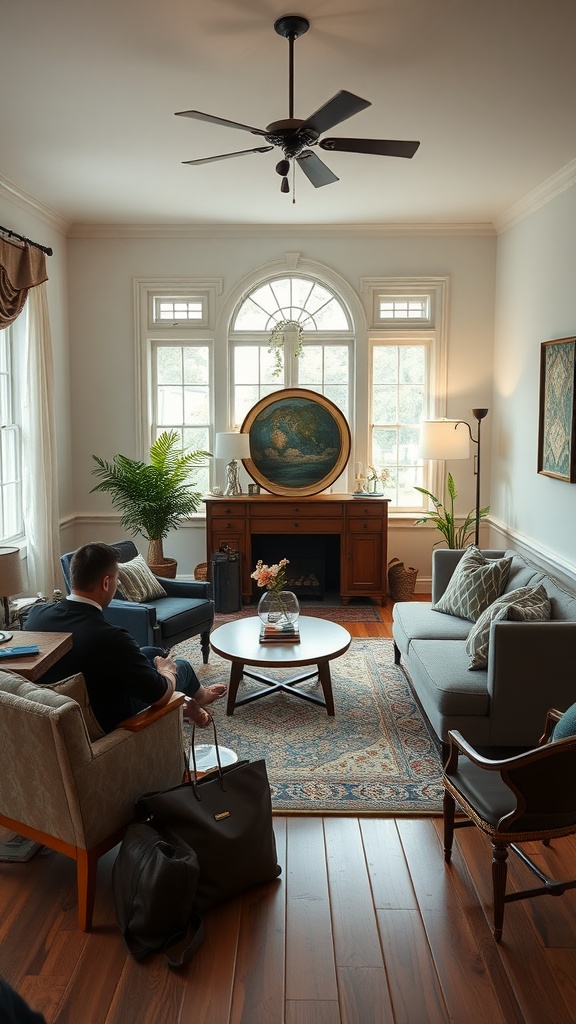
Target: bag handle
pixel 193 754
pixel 196 931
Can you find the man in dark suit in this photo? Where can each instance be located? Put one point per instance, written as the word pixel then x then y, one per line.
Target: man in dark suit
pixel 121 678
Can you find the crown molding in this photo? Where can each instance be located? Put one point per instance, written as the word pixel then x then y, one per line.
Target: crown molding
pixel 31 205
pixel 263 230
pixel 539 196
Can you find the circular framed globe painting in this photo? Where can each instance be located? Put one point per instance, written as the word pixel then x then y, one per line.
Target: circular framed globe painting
pixel 299 442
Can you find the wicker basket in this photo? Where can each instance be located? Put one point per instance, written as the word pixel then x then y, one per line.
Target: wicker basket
pixel 201 571
pixel 401 581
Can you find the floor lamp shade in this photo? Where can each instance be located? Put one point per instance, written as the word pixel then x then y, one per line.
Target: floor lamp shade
pixel 11 579
pixel 444 439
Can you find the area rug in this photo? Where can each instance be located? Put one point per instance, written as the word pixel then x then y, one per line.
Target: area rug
pixel 335 611
pixel 374 757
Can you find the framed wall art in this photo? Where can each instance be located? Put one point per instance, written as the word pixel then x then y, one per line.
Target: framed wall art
pixel 299 442
pixel 557 422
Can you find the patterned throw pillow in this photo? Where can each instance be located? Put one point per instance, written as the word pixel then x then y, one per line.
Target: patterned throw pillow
pixel 137 582
pixel 522 605
pixel 475 583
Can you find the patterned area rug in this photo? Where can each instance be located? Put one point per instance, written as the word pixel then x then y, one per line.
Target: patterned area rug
pixel 374 757
pixel 339 613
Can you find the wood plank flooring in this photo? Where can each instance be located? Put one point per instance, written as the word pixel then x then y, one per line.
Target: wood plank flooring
pixel 366 925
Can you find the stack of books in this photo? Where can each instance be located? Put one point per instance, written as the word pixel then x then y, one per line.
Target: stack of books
pixel 280 634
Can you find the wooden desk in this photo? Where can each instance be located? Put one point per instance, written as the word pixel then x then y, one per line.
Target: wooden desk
pixel 53 646
pixel 361 523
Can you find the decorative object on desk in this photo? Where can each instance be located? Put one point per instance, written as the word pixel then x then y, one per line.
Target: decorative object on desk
pixel 5 637
pixel 375 756
pixel 11 579
pixel 276 606
pixel 444 518
pixel 153 498
pixel 557 422
pixel 232 446
pixel 299 442
pixel 281 632
pixel 401 581
pixel 276 343
pixel 441 439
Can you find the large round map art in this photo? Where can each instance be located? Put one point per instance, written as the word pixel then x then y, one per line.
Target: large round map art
pixel 299 442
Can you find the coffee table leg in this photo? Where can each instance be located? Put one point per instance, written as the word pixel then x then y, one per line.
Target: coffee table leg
pixel 326 684
pixel 236 673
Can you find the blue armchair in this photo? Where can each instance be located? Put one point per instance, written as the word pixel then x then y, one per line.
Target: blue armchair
pixel 186 610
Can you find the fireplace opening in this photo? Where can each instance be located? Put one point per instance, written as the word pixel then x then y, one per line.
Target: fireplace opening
pixel 314 562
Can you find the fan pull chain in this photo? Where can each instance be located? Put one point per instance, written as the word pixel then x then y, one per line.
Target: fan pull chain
pixel 293 183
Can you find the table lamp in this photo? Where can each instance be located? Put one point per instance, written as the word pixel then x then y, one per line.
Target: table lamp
pixel 11 579
pixel 231 445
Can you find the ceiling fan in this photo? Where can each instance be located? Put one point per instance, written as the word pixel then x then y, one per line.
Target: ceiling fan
pixel 295 136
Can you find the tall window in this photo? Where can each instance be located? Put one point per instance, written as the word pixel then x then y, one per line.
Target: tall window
pixel 407 380
pixel 11 346
pixel 181 397
pixel 319 359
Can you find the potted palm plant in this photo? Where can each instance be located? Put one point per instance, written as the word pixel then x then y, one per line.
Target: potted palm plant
pixel 444 518
pixel 153 497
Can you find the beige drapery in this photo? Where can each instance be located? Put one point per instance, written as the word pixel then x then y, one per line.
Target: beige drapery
pixel 21 267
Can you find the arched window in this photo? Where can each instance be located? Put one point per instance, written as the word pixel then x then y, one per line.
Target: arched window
pixel 312 347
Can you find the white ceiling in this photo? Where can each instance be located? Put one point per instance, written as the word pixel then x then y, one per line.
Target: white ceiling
pixel 90 87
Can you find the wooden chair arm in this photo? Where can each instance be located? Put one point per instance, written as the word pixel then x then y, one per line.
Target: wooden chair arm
pixel 459 745
pixel 552 717
pixel 149 715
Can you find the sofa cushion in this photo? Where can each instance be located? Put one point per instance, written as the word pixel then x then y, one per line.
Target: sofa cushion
pixel 412 621
pixel 438 670
pixel 136 581
pixel 522 605
pixel 475 583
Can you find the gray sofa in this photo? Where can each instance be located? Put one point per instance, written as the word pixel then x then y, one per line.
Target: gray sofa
pixel 531 665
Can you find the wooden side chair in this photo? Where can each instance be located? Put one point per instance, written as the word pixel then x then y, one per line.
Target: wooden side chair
pixel 526 798
pixel 71 787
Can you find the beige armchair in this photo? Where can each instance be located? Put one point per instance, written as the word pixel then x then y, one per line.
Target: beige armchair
pixel 72 788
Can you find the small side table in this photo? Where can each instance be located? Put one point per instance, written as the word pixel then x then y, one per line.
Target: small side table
pixel 53 646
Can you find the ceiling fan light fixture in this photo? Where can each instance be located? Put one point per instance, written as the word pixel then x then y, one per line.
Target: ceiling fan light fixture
pixel 282 168
pixel 284 186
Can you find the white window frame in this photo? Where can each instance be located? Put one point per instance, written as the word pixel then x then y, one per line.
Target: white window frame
pixel 431 331
pixel 11 421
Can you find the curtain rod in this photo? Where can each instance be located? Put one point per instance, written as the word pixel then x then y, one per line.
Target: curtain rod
pixel 22 238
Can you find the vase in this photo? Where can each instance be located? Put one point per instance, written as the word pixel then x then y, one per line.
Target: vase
pixel 279 608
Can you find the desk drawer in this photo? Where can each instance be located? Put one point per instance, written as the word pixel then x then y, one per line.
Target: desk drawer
pixel 228 509
pixel 368 525
pixel 298 524
pixel 362 509
pixel 300 509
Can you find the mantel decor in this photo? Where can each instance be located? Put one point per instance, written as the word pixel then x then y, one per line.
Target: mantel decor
pixel 557 422
pixel 299 442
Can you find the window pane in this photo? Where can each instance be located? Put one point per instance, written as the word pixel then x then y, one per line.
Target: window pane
pixel 384 404
pixel 385 364
pixel 244 399
pixel 196 405
pixel 196 364
pixel 251 317
pixel 338 395
pixel 410 404
pixel 412 364
pixel 246 364
pixel 310 365
pixel 169 365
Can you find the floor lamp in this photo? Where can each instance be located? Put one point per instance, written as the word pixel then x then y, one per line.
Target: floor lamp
pixel 441 439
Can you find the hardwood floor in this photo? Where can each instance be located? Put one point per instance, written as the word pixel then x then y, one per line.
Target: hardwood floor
pixel 366 925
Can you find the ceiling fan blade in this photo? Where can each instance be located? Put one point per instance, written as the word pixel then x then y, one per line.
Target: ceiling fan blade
pixel 226 156
pixel 315 169
pixel 343 105
pixel 380 147
pixel 199 116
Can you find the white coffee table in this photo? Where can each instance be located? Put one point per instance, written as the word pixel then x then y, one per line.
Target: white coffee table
pixel 320 642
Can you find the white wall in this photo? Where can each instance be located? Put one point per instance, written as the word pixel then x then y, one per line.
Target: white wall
pixel 102 354
pixel 535 302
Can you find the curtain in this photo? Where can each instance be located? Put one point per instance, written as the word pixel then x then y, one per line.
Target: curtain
pixel 39 477
pixel 21 267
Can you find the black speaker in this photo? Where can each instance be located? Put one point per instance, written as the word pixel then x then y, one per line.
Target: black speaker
pixel 225 575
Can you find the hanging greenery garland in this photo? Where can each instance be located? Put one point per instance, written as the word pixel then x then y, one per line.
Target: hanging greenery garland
pixel 276 343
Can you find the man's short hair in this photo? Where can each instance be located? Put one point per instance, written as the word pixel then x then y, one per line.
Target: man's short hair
pixel 91 563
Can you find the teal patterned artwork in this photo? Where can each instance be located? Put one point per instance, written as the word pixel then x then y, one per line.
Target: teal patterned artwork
pixel 299 442
pixel 556 442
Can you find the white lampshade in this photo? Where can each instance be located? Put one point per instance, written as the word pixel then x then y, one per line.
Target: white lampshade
pixel 232 445
pixel 444 439
pixel 11 579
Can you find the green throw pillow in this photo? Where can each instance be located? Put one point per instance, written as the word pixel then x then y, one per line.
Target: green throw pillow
pixel 137 582
pixel 475 583
pixel 566 726
pixel 522 605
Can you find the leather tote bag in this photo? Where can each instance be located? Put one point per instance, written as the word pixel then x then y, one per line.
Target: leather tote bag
pixel 154 882
pixel 226 817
